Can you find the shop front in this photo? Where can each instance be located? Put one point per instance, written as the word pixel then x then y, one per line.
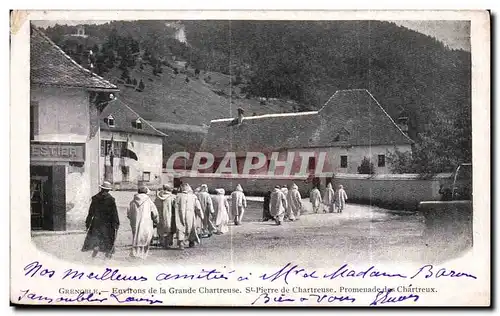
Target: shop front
pixel 49 163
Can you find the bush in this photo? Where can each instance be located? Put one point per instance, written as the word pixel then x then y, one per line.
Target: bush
pixel 366 167
pixel 400 162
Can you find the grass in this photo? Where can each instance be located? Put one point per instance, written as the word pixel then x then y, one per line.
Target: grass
pixel 169 98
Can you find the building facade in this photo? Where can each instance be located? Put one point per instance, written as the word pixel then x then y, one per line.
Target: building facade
pixel 131 148
pixel 350 127
pixel 65 103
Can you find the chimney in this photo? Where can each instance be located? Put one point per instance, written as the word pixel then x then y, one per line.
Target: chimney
pixel 240 115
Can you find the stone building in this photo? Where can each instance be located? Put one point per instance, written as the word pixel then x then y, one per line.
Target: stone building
pixel 351 126
pixel 135 155
pixel 65 103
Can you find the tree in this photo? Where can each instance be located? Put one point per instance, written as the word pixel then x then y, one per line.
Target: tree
pixel 366 167
pixel 123 65
pixel 141 86
pixel 445 143
pixel 400 161
pixel 125 74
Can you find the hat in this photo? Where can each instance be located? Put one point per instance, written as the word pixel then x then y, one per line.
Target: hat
pixel 106 185
pixel 143 189
pixel 185 187
pixel 167 187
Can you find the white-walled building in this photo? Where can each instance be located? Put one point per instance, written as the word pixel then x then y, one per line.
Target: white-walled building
pixel 65 103
pixel 120 123
pixel 351 125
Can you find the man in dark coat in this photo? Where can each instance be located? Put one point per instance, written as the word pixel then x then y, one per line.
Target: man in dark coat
pixel 102 223
pixel 266 215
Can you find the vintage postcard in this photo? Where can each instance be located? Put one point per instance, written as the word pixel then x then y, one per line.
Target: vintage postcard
pixel 250 158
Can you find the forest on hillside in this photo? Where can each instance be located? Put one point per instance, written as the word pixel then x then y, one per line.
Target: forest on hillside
pixel 307 61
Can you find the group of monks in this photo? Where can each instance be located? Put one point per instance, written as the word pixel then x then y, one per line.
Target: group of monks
pixel 191 215
pixel 332 200
pixel 282 203
pixel 188 215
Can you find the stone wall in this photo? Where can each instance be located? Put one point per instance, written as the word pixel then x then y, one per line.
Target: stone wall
pixel 401 192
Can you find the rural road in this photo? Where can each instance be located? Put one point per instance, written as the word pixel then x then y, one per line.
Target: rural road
pixel 361 234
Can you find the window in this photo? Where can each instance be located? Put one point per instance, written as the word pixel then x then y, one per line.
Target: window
pixel 137 124
pixel 311 165
pixel 125 173
pixel 343 161
pixel 239 164
pixel 118 148
pixel 146 176
pixel 110 120
pixel 341 137
pixel 381 160
pixel 216 164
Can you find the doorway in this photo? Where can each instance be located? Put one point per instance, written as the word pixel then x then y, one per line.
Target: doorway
pixel 39 201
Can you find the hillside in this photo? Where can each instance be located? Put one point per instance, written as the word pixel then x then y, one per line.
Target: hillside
pixel 303 61
pixel 309 60
pixel 167 97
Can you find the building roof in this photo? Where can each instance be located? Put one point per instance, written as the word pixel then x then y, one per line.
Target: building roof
pixel 124 117
pixel 51 66
pixel 179 127
pixel 349 118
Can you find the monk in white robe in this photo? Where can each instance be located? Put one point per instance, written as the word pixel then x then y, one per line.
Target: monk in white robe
pixel 187 208
pixel 315 198
pixel 294 202
pixel 221 207
pixel 207 209
pixel 165 203
pixel 329 198
pixel 198 219
pixel 284 189
pixel 340 198
pixel 143 217
pixel 238 205
pixel 277 205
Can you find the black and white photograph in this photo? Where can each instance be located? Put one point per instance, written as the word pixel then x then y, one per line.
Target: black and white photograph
pixel 314 149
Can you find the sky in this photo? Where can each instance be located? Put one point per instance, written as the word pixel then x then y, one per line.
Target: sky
pixel 454 34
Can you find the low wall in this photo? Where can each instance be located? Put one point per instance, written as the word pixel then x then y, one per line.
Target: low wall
pixel 449 218
pixel 394 191
pixel 402 191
